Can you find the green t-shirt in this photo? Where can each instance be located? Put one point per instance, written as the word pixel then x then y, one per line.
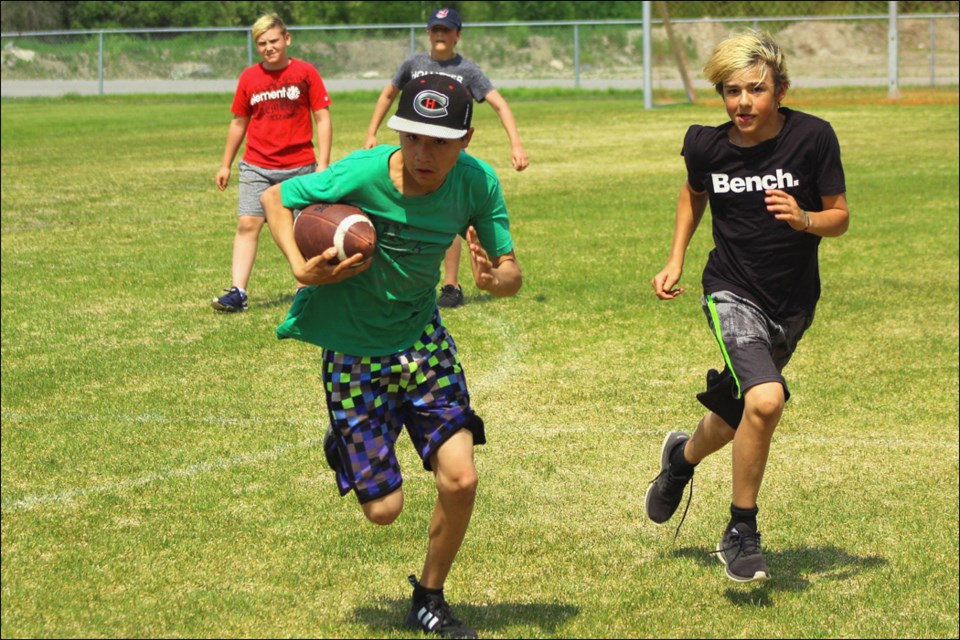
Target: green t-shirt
pixel 386 308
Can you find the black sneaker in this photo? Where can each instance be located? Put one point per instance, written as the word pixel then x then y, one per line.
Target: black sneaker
pixel 740 551
pixel 434 616
pixel 232 301
pixel 450 296
pixel 666 490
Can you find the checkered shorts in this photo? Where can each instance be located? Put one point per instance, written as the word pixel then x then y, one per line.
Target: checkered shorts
pixel 371 399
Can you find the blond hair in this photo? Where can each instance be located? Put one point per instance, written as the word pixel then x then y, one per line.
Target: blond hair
pixel 745 51
pixel 265 23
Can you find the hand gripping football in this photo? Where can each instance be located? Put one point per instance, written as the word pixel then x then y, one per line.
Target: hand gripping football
pixel 324 225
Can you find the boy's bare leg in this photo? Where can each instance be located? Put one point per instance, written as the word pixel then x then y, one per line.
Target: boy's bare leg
pixel 711 435
pixel 456 479
pixel 245 248
pixel 763 407
pixel 451 263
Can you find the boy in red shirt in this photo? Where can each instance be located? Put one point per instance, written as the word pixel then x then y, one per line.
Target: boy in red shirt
pixel 272 108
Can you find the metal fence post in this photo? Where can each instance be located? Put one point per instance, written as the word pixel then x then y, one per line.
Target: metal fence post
pixel 893 71
pixel 933 53
pixel 647 58
pixel 100 66
pixel 576 56
pixel 249 48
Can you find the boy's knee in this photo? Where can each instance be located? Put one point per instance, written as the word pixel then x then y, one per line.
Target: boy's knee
pixel 384 510
pixel 455 473
pixel 462 485
pixel 766 403
pixel 381 516
pixel 249 225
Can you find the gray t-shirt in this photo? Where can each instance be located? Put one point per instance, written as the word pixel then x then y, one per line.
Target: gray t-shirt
pixel 466 71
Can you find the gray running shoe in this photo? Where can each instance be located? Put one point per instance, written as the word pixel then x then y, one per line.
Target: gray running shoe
pixel 739 550
pixel 666 490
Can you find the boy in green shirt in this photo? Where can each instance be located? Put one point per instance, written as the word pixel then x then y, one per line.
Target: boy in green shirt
pixel 388 361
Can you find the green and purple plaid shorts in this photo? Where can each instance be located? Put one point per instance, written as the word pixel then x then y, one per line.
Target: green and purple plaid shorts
pixel 372 398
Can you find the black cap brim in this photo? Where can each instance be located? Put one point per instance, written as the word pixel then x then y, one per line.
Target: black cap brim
pixel 434 131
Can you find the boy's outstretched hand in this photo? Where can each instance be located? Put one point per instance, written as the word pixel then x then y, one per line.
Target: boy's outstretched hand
pixel 499 276
pixel 483 273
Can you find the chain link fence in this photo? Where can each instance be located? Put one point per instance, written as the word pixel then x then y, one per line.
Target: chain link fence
pixel 822 50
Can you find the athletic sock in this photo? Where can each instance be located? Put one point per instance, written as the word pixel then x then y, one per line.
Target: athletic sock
pixel 678 463
pixel 743 516
pixel 420 593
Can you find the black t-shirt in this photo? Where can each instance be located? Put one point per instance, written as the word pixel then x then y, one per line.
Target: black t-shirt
pixel 757 256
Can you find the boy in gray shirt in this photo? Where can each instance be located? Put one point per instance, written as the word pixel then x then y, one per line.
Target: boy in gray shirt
pixel 444 29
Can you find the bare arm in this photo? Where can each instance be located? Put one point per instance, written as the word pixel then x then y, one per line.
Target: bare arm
pixel 499 276
pixel 387 96
pixel 831 222
pixel 235 134
pixel 517 154
pixel 690 208
pixel 316 271
pixel 324 137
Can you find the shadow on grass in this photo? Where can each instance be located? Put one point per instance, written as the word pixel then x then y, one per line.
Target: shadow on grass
pixel 390 616
pixel 790 569
pixel 285 300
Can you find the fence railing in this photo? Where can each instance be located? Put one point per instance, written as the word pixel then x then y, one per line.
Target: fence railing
pixel 859 50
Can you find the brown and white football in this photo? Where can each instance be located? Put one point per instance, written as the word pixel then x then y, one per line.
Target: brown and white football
pixel 324 225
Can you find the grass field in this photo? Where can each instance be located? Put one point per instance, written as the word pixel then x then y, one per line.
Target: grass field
pixel 161 468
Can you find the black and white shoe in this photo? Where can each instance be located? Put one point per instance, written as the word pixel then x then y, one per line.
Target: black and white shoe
pixel 433 616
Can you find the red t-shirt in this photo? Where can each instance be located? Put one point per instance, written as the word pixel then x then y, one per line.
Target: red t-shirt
pixel 280 105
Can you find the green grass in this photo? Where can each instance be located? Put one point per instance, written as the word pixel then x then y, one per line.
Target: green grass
pixel 161 468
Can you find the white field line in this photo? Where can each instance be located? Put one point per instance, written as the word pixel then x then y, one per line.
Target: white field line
pixel 199 468
pixel 506 363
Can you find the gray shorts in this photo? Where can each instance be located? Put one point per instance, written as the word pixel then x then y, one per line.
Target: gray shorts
pixel 755 347
pixel 255 180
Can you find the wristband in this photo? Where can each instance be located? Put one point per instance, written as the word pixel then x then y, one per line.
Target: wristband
pixel 806 217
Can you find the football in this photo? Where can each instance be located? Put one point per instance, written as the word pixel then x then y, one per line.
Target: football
pixel 324 225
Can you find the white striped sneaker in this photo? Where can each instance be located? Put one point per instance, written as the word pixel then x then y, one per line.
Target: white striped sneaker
pixel 434 616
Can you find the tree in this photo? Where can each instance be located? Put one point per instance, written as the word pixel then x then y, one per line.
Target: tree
pixel 33 16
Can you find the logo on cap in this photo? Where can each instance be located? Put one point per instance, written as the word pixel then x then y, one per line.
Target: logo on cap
pixel 431 104
pixel 442 13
